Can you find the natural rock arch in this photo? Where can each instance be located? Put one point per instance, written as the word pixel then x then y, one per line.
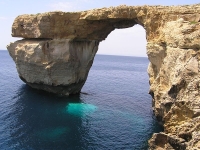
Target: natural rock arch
pixel 58 50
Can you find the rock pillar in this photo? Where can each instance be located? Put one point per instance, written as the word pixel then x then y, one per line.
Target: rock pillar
pixel 59 66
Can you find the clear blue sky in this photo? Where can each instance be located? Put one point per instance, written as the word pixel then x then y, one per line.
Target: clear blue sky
pixel 129 41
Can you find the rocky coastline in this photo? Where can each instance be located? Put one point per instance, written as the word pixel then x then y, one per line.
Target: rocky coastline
pixel 58 48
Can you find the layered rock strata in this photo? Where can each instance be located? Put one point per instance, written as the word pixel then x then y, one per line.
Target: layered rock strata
pixel 57 66
pixel 58 50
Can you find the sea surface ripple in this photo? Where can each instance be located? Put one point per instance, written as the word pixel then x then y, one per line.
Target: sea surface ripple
pixel 113 112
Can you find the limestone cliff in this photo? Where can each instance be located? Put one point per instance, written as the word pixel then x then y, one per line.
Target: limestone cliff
pixel 58 49
pixel 175 85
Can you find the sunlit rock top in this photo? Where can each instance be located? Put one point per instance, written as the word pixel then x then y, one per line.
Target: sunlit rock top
pixel 96 24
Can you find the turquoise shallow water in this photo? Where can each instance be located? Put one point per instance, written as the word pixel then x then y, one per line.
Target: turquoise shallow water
pixel 115 113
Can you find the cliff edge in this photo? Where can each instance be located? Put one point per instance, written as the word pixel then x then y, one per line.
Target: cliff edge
pixel 59 47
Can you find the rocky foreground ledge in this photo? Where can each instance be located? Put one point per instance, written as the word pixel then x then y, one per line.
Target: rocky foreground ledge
pixel 59 47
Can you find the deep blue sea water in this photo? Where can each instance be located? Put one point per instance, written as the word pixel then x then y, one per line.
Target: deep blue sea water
pixel 115 114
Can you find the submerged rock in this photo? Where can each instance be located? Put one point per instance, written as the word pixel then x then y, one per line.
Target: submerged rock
pixel 59 48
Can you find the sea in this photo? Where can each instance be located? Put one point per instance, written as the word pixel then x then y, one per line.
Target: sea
pixel 113 111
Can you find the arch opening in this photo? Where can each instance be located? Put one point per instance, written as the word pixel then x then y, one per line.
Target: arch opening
pixel 119 85
pixel 127 42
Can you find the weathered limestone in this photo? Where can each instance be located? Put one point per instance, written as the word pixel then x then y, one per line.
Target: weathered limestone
pixel 174 77
pixel 57 66
pixel 59 48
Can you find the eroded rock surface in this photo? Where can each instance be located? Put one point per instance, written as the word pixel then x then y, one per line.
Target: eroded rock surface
pixel 175 77
pixel 59 66
pixel 59 48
